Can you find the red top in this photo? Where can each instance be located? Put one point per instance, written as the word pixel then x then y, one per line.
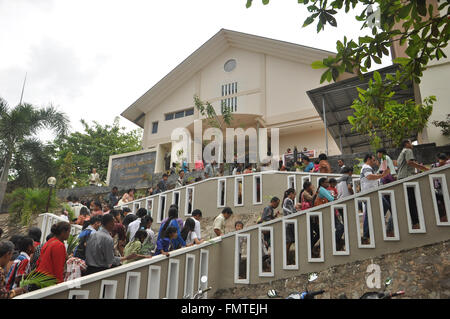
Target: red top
pixel 52 259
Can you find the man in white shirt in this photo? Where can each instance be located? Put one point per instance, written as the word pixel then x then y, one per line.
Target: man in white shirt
pixel 197 216
pixel 344 186
pixel 76 206
pixel 133 227
pixel 94 178
pixel 219 222
pixel 369 179
pixel 180 181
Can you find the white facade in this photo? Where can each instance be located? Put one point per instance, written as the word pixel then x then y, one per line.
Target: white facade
pixel 268 89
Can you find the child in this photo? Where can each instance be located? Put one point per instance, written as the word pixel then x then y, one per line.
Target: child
pixel 332 188
pixel 164 243
pixel 238 225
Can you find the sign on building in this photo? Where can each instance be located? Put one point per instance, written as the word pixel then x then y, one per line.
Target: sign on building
pixel 131 169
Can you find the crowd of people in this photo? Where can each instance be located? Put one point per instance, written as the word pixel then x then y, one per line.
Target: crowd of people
pixel 376 170
pixel 111 236
pixel 107 240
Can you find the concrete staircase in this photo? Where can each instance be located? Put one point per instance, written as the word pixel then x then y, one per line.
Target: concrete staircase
pixel 241 258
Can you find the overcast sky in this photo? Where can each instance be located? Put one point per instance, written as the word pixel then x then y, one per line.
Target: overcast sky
pixel 93 58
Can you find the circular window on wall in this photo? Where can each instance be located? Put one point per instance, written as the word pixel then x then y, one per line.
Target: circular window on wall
pixel 230 65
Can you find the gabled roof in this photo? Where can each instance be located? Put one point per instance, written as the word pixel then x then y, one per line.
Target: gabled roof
pixel 209 51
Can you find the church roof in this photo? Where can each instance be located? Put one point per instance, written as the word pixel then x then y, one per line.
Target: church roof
pixel 210 50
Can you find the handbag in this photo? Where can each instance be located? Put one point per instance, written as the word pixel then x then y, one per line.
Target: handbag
pixel 320 201
pixel 305 204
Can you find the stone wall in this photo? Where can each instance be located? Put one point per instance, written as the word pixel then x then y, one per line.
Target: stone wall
pixel 10 229
pixel 422 273
pixel 96 192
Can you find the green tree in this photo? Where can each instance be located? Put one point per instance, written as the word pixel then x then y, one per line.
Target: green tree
pixel 66 172
pixel 32 164
pixel 412 22
pixel 18 129
pixel 377 113
pixel 444 125
pixel 425 30
pixel 91 148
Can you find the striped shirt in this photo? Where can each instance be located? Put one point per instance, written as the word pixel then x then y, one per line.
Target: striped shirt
pixel 20 267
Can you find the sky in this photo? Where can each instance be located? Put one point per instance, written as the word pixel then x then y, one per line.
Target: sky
pixel 94 58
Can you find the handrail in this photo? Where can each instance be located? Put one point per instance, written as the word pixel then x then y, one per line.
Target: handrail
pixel 44 292
pixel 272 172
pixel 341 200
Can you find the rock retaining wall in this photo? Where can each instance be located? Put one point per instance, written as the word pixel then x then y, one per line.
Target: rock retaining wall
pixel 422 272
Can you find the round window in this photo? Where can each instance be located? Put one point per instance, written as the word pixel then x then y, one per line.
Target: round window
pixel 230 65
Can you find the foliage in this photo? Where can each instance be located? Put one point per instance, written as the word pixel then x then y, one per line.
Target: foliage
pixel 27 203
pixel 377 110
pixel 69 210
pixel 39 279
pixel 412 22
pixel 72 242
pixel 207 110
pixel 92 148
pixel 19 127
pixel 66 172
pixel 425 31
pixel 180 152
pixel 140 193
pixel 444 125
pixel 300 167
pixel 357 167
pixel 32 164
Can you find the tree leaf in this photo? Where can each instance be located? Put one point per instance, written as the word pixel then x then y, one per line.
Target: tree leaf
pixel 318 65
pixel 331 20
pixel 308 21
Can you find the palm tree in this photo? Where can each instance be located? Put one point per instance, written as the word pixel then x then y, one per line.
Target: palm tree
pixel 18 129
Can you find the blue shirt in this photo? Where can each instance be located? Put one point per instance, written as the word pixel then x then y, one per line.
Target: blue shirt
pixel 179 241
pixel 163 244
pixel 323 193
pixel 309 167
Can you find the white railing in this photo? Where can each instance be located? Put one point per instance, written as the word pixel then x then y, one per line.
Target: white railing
pixel 49 219
pixel 301 222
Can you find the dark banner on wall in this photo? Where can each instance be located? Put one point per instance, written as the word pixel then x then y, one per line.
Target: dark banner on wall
pixel 133 170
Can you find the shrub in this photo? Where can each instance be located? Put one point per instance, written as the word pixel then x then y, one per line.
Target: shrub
pixel 28 203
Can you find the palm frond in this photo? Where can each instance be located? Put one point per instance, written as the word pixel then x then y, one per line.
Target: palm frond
pixel 3 108
pixel 38 279
pixel 72 242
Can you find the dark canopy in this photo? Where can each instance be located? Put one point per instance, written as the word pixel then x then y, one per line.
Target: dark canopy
pixel 338 98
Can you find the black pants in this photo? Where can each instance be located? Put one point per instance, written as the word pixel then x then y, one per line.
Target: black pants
pixel 339 229
pixel 92 270
pixel 412 205
pixel 315 233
